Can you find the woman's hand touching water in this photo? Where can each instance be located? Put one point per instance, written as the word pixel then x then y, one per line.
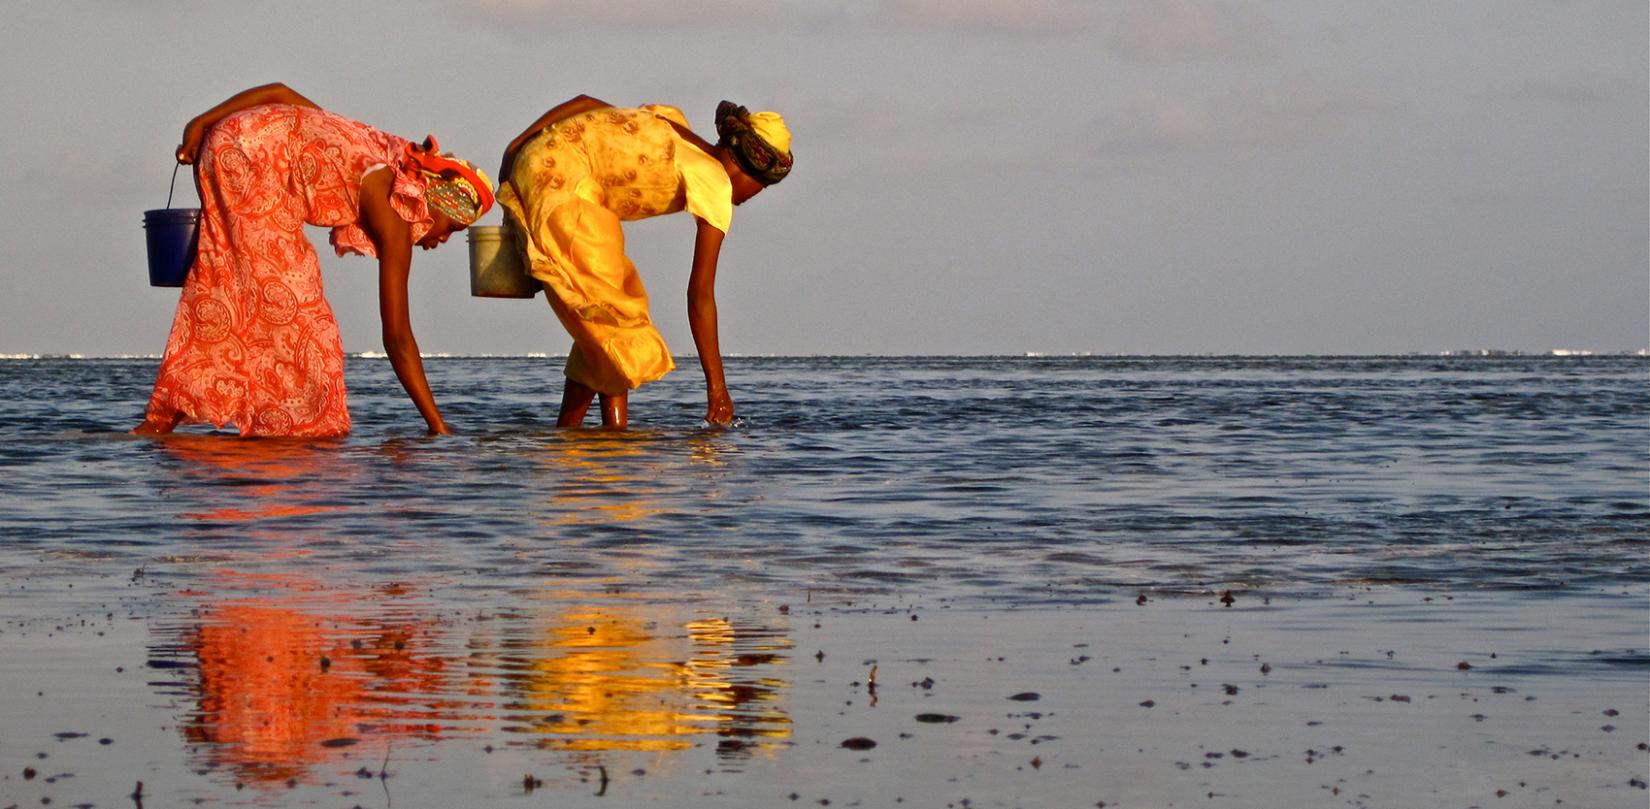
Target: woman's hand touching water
pixel 720 411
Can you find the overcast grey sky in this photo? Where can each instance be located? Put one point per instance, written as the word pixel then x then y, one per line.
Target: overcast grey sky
pixel 972 176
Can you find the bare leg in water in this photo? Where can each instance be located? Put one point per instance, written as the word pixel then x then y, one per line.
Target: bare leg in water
pixel 575 401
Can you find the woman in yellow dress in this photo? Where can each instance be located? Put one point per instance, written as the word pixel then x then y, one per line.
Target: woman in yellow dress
pixel 581 168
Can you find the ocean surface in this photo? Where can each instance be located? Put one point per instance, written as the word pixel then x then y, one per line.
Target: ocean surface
pixel 1015 480
pixel 1346 554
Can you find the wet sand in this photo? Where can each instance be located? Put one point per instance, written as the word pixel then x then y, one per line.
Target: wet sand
pixel 268 692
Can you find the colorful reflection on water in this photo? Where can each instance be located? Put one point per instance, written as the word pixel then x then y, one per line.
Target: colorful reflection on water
pixel 621 679
pixel 286 675
pixel 282 680
pixel 248 481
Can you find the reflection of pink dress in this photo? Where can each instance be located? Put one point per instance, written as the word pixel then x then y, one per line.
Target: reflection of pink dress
pixel 254 342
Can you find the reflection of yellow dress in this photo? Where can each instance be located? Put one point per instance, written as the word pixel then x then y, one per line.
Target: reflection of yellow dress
pixel 569 189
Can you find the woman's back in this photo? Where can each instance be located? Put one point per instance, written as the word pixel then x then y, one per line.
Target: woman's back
pixel 305 154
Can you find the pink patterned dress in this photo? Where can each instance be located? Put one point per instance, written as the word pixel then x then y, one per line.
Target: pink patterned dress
pixel 254 342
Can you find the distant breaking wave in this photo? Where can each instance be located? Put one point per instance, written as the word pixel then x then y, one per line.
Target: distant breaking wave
pixel 366 355
pixel 443 355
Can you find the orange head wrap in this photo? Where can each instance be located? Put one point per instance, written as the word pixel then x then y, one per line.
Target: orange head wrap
pixel 452 186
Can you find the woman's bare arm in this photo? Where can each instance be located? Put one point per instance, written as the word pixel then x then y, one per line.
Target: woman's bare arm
pixel 566 109
pixel 707 248
pixel 392 237
pixel 194 132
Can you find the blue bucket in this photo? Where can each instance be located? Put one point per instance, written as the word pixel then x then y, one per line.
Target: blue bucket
pixel 172 234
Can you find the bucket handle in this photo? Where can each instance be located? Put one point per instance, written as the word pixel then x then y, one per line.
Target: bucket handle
pixel 174 184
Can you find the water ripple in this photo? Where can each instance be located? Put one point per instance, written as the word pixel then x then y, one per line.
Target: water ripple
pixel 964 477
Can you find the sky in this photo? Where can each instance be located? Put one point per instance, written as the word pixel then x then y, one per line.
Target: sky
pixel 972 176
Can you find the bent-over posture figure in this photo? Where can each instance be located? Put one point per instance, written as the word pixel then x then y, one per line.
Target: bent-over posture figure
pixel 568 181
pixel 254 342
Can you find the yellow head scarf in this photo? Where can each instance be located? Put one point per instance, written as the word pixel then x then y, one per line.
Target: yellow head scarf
pixel 761 142
pixel 770 126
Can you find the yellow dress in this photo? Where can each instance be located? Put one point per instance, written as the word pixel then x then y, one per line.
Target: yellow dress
pixel 567 193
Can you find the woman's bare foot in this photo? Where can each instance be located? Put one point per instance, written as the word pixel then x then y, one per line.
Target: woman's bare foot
pixel 153 426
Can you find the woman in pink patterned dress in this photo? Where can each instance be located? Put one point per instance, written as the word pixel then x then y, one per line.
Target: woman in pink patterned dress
pixel 254 342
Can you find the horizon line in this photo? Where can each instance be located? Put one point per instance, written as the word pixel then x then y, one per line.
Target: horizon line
pixel 438 355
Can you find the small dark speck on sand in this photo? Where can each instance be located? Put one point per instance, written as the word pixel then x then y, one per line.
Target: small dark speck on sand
pixel 858 743
pixel 1148 704
pixel 1463 665
pixel 1026 696
pixel 28 773
pixel 935 718
pixel 1141 600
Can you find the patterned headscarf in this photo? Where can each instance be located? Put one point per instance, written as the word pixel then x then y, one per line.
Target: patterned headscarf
pixel 452 186
pixel 759 141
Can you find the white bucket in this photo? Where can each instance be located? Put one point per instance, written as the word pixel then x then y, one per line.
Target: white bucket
pixel 495 265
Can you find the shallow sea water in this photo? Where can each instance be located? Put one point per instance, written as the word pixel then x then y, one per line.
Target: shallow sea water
pixel 687 616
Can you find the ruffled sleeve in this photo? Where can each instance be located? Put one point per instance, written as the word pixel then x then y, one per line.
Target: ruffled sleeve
pixel 709 191
pixel 406 199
